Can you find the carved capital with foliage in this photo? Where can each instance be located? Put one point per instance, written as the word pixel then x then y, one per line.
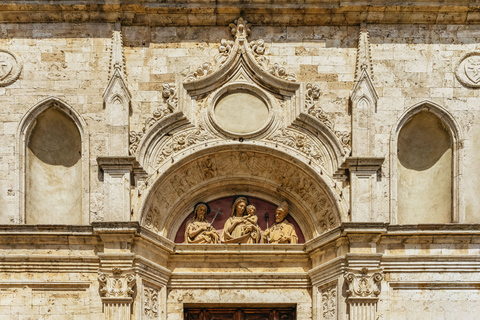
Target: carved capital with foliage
pixel 116 285
pixel 363 285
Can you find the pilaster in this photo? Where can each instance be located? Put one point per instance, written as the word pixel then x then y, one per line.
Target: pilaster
pixel 117 175
pixel 363 180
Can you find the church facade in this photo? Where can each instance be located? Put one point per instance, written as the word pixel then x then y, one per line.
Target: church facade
pixel 257 160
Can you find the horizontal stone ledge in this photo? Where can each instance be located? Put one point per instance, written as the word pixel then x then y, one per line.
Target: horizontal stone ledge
pixel 260 12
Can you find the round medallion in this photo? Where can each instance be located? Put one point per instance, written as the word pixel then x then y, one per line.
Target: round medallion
pixel 10 67
pixel 241 113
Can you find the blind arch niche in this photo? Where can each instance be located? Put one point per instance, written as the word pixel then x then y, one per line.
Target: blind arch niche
pixel 425 167
pixel 53 166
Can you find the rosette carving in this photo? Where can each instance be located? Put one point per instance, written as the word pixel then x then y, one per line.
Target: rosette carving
pixel 10 67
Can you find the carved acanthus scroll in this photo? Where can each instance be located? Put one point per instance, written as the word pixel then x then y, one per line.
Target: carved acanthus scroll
pixel 150 303
pixel 329 302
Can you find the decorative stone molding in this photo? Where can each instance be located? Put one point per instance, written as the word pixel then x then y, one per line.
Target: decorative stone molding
pixel 117 99
pixel 150 302
pixel 224 50
pixel 10 67
pixel 329 302
pixel 312 93
pixel 230 51
pixel 117 57
pixel 467 70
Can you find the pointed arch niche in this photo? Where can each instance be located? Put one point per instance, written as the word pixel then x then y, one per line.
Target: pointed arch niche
pixel 425 169
pixel 53 165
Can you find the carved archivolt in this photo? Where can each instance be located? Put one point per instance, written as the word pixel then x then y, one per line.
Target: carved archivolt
pixel 10 67
pixel 225 172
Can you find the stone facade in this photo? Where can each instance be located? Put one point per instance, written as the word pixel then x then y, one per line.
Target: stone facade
pixel 118 117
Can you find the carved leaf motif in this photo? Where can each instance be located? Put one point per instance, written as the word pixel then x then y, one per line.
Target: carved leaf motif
pixel 134 139
pixel 258 50
pixel 150 306
pixel 202 71
pixel 240 28
pixel 281 73
pixel 224 49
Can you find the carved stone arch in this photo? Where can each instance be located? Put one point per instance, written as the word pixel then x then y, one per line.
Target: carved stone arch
pixel 452 127
pixel 222 171
pixel 25 127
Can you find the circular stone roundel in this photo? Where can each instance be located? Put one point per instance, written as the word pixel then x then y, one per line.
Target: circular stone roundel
pixel 241 113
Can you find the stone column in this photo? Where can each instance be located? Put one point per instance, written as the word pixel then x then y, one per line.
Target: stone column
pixel 117 172
pixel 363 179
pixel 363 291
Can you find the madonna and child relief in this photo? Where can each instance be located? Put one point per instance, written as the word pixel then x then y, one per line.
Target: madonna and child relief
pixel 242 225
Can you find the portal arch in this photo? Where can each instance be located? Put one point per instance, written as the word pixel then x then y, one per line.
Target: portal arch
pixel 251 170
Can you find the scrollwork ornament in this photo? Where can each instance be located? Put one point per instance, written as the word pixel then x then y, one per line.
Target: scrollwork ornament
pixel 117 285
pixel 10 67
pixel 311 96
pixel 202 71
pixel 345 140
pixel 169 92
pixel 363 285
pixel 258 50
pixel 134 139
pixel 281 72
pixel 329 302
pixel 150 305
pixel 224 50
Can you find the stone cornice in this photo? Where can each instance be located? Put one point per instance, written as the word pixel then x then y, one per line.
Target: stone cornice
pixel 210 12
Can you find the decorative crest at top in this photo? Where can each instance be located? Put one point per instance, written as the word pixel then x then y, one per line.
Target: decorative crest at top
pixel 117 57
pixel 240 28
pixel 364 56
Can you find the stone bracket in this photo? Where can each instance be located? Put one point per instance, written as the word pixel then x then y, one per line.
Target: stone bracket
pixel 364 166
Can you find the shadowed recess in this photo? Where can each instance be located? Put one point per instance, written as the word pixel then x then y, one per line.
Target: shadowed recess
pixel 55 139
pixel 422 142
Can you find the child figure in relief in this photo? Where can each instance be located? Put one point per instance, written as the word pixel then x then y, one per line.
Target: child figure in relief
pixel 250 224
